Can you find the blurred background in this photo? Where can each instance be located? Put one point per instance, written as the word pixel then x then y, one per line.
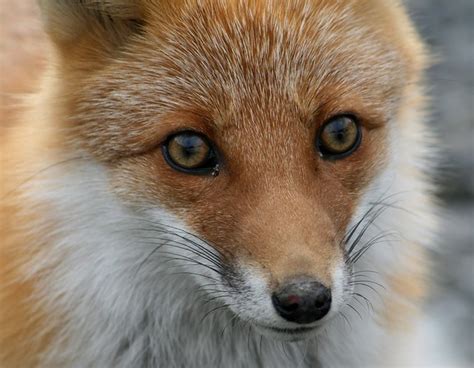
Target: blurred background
pixel 448 27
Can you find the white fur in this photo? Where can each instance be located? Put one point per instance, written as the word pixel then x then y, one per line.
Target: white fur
pixel 123 312
pixel 128 304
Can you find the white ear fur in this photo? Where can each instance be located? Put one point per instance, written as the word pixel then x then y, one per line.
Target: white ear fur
pixel 67 20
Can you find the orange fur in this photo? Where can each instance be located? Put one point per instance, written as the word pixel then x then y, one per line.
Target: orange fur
pixel 272 204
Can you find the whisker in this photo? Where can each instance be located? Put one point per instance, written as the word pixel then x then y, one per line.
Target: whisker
pixel 346 319
pixel 374 241
pixel 188 246
pixel 358 301
pixel 369 304
pixel 230 323
pixel 248 336
pixel 185 247
pixel 373 206
pixel 189 261
pixel 165 227
pixel 220 307
pixel 369 287
pixel 365 272
pixel 365 228
pixel 355 282
pixel 210 300
pixel 166 272
pixel 355 310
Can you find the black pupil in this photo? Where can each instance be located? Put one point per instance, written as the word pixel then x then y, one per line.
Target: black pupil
pixel 190 144
pixel 339 130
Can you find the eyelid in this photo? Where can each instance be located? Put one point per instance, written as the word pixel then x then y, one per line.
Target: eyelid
pixel 178 131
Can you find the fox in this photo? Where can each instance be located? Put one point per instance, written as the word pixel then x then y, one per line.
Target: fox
pixel 216 183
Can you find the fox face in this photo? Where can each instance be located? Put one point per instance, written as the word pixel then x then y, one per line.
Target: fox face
pixel 256 126
pixel 237 151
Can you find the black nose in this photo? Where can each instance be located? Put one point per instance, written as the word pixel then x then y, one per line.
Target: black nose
pixel 302 301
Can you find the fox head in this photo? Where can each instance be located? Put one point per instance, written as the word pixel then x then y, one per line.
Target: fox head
pixel 244 135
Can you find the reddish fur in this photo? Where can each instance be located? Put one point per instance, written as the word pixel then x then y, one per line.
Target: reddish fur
pixel 271 204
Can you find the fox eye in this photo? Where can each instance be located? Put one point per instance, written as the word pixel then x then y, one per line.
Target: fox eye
pixel 191 153
pixel 339 137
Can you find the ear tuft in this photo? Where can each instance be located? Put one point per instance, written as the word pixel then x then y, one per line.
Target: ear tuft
pixel 68 20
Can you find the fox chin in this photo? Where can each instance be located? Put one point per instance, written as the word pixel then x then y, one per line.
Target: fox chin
pixel 203 183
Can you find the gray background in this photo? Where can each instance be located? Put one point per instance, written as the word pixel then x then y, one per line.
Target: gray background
pixel 448 26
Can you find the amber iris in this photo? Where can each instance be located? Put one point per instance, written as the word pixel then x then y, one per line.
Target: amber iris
pixel 189 152
pixel 339 137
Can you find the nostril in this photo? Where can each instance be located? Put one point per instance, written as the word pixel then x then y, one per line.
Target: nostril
pixel 323 299
pixel 319 303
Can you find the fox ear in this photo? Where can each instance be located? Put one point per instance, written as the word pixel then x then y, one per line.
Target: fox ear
pixel 107 22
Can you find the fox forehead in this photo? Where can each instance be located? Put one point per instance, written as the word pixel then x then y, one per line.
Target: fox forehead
pixel 259 78
pixel 242 64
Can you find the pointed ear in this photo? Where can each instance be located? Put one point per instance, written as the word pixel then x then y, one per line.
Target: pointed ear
pixel 105 23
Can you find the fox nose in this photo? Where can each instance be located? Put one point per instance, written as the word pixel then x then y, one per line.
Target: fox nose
pixel 302 301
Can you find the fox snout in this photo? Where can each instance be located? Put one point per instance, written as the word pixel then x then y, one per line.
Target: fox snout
pixel 287 263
